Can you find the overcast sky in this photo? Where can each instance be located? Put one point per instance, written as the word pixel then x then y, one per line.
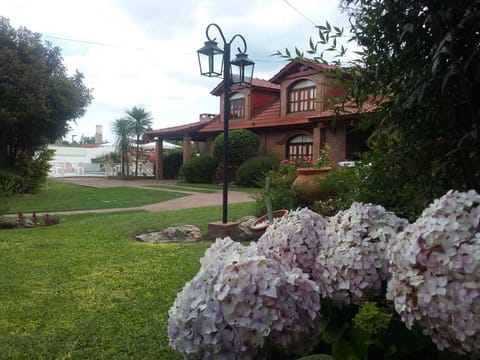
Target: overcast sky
pixel 143 52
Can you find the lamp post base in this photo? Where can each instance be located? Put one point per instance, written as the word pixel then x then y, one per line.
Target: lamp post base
pixel 219 229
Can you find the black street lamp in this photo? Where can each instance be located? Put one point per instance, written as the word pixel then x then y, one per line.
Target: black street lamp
pixel 213 62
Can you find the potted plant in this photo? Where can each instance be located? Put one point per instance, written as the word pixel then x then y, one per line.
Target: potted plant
pixel 260 224
pixel 311 173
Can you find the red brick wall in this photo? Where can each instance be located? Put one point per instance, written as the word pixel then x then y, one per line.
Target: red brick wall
pixel 261 99
pixel 275 143
pixel 336 141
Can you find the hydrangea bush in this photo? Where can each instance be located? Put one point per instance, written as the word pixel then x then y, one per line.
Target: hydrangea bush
pixel 295 239
pixel 352 265
pixel 247 301
pixel 241 304
pixel 435 266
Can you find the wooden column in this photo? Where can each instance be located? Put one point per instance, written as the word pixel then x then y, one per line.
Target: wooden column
pixel 159 159
pixel 187 148
pixel 209 146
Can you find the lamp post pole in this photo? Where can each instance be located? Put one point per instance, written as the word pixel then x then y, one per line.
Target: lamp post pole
pixel 226 120
pixel 213 62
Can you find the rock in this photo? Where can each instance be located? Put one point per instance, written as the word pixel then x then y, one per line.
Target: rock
pixel 245 232
pixel 182 234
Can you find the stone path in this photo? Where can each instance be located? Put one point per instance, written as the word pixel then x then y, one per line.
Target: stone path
pixel 192 200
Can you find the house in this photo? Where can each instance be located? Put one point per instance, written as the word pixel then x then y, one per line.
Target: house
pixel 292 113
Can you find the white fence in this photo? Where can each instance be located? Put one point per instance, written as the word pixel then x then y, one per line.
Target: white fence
pixel 62 169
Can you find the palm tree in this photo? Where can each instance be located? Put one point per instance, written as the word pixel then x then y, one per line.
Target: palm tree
pixel 141 121
pixel 123 130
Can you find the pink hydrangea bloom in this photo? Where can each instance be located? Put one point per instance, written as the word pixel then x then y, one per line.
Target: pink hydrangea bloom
pixel 240 304
pixel 352 265
pixel 435 266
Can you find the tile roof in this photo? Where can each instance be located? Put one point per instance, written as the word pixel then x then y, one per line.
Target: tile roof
pixel 256 83
pixel 270 117
pixel 181 130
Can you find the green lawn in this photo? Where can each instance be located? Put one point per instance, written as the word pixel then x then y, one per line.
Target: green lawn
pixel 63 196
pixel 218 187
pixel 84 289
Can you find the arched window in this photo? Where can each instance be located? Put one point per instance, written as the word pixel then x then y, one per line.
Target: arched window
pixel 301 96
pixel 237 106
pixel 300 148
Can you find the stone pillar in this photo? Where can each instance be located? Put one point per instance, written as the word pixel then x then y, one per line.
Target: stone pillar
pixel 159 159
pixel 187 148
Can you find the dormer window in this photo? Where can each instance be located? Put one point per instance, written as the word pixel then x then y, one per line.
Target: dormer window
pixel 237 106
pixel 302 96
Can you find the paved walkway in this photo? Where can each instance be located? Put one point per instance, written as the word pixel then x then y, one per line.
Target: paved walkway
pixel 191 200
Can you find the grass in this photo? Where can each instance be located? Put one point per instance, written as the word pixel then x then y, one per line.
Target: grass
pixel 63 196
pixel 84 289
pixel 218 187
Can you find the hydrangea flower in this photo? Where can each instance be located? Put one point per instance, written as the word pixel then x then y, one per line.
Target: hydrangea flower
pixel 240 304
pixel 435 266
pixel 295 239
pixel 353 264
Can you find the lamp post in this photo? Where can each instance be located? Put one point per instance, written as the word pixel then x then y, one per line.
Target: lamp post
pixel 214 62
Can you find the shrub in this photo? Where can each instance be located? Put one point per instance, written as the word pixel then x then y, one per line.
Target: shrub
pixel 199 169
pixel 172 163
pixel 34 169
pixel 343 187
pixel 242 145
pixel 10 184
pixel 282 192
pixel 252 171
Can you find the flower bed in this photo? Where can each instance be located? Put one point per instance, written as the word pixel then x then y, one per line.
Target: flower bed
pixel 247 301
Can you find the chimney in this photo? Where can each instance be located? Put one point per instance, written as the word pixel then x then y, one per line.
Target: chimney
pixel 206 116
pixel 98 134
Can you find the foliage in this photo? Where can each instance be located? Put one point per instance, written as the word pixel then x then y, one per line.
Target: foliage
pixel 172 162
pixel 112 157
pixel 282 193
pixel 122 129
pixel 345 185
pixel 199 169
pixel 10 184
pixel 419 64
pixel 141 121
pixel 253 170
pixel 242 145
pixel 34 169
pixel 38 98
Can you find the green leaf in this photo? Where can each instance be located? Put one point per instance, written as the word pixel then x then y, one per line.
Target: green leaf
pixel 342 350
pixel 334 330
pixel 317 357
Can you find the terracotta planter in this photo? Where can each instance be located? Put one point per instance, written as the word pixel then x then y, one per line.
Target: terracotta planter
pixel 262 223
pixel 308 182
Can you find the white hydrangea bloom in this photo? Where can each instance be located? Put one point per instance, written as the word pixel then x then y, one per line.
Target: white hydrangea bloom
pixel 351 268
pixel 295 239
pixel 240 304
pixel 435 266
